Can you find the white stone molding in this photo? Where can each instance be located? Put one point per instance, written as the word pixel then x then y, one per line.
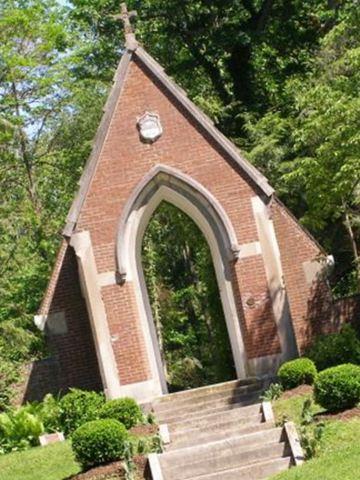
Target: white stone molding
pixel 294 442
pixel 164 433
pixel 163 175
pixel 81 242
pixel 155 467
pixel 274 274
pixel 267 411
pixel 166 184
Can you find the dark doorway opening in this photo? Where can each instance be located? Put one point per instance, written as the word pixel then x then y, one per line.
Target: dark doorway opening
pixel 185 302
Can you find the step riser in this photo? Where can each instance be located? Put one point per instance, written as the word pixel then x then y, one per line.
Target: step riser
pixel 235 415
pixel 221 463
pixel 234 445
pixel 162 406
pixel 212 427
pixel 259 471
pixel 177 416
pixel 213 437
pixel 192 404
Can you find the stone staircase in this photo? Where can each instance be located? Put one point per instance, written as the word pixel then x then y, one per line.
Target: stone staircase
pixel 221 432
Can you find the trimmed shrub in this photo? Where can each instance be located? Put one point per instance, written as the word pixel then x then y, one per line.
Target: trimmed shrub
pixel 296 372
pixel 338 388
pixel 125 410
pixel 100 441
pixel 79 407
pixel 336 349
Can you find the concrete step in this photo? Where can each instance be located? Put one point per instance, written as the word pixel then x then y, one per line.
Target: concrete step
pixel 229 425
pixel 255 471
pixel 185 395
pixel 219 463
pixel 235 415
pixel 208 397
pixel 233 445
pixel 198 395
pixel 218 405
pixel 209 437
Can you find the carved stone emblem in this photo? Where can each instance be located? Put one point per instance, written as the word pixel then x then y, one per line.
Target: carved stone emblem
pixel 149 127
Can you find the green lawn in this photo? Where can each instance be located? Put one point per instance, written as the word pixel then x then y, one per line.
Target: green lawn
pixel 54 462
pixel 339 455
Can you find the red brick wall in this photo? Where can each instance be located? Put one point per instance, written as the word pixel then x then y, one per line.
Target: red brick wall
pixel 310 305
pixel 73 361
pixel 124 161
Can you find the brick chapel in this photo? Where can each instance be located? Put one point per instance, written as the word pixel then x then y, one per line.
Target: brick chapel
pixel 153 144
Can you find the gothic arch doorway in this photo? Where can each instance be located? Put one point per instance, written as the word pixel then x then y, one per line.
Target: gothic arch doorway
pixel 170 185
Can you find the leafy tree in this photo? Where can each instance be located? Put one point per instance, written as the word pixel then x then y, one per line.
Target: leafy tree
pixel 42 103
pixel 311 148
pixel 239 52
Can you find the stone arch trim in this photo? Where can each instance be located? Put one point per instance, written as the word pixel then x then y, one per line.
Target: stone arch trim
pixel 174 179
pixel 164 183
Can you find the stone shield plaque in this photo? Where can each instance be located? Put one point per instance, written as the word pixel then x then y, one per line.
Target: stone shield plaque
pixel 149 126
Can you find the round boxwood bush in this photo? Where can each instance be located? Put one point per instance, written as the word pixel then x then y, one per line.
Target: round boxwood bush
pixel 100 441
pixel 296 372
pixel 336 349
pixel 338 388
pixel 125 410
pixel 78 407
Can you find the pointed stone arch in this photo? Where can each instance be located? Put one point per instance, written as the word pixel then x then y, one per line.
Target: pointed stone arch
pixel 164 183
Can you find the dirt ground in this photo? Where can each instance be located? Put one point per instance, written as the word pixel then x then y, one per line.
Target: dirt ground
pixel 115 471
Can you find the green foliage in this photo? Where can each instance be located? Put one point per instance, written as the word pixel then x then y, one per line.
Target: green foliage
pixel 19 429
pixel 125 410
pixel 273 392
pixel 51 413
pixel 8 376
pixel 99 442
pixel 147 444
pixel 336 348
pixel 309 145
pixel 296 372
pixel 338 388
pixel 78 407
pixel 310 434
pixel 41 104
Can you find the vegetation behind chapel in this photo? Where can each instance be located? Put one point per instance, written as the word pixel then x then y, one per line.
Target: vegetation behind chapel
pixel 279 78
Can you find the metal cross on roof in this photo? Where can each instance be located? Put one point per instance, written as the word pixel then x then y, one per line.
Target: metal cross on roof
pixel 125 16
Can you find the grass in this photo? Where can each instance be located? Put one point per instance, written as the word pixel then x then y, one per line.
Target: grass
pixel 339 454
pixel 53 462
pixel 290 408
pixel 56 461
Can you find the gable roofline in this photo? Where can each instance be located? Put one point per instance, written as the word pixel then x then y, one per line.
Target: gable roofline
pixel 109 109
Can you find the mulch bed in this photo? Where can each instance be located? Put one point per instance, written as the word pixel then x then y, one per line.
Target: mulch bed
pixel 295 392
pixel 115 471
pixel 143 430
pixel 345 415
